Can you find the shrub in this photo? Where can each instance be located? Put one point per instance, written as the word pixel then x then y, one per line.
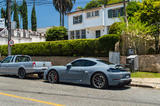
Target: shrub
pixel 115 28
pixel 107 42
pixel 56 33
pixel 80 47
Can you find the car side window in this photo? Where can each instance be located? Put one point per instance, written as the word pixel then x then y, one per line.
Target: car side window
pixel 77 63
pixel 89 63
pixel 83 63
pixel 7 59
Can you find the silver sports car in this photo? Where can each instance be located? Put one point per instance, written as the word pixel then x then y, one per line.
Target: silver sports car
pixel 91 71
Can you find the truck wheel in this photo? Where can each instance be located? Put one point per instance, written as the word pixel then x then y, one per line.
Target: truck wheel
pixel 22 73
pixel 40 75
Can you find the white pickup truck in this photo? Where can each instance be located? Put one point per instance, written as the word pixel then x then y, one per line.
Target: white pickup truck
pixel 21 65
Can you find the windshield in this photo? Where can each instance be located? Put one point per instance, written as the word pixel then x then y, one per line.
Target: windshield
pixel 105 62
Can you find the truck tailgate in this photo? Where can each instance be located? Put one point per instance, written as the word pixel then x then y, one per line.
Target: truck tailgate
pixel 42 64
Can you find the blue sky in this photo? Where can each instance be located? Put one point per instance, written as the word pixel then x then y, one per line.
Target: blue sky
pixel 48 16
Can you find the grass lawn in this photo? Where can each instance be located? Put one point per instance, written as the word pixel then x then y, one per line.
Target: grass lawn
pixel 145 75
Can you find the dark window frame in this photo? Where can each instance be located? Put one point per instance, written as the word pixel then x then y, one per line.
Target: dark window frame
pixel 83 33
pixel 77 19
pixel 113 13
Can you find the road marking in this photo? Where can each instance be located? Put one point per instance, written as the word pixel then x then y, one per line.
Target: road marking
pixel 30 99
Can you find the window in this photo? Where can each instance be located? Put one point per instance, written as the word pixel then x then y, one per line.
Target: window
pixel 77 19
pixel 77 34
pixel 92 14
pixel 97 13
pixel 83 34
pixel 7 59
pixel 71 34
pixel 110 13
pixel 108 27
pixel 83 63
pixel 115 12
pixel 88 14
pixel 98 33
pixel 22 59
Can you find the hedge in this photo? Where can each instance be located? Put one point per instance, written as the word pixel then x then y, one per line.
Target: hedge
pixel 79 47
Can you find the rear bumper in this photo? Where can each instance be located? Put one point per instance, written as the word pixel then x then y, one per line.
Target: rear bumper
pixel 124 82
pixel 36 70
pixel 121 82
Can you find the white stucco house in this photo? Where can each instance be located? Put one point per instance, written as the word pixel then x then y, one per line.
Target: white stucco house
pixel 93 23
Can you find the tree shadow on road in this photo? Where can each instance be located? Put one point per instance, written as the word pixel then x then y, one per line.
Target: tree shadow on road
pixel 28 77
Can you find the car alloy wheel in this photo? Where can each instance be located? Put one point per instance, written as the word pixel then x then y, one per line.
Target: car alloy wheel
pixel 53 77
pixel 99 81
pixel 21 73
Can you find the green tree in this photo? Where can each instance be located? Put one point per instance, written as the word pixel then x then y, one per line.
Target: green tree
pixel 80 8
pixel 104 2
pixel 24 13
pixel 34 19
pixel 98 3
pixel 3 13
pixel 63 6
pixel 132 8
pixel 92 4
pixel 15 17
pixel 149 13
pixel 135 35
pixel 56 33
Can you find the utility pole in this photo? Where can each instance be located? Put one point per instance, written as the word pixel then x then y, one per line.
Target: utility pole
pixel 125 12
pixel 9 26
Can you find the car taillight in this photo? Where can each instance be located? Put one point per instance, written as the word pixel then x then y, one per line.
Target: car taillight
pixel 33 64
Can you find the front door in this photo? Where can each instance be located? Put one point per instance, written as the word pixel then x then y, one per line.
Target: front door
pixel 78 72
pixel 4 65
pixel 75 74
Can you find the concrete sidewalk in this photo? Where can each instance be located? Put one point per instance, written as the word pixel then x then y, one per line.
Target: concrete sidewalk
pixel 146 82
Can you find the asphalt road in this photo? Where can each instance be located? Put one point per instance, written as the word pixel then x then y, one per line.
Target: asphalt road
pixel 36 92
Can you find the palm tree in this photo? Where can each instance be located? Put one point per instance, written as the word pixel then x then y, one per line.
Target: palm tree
pixel 63 6
pixel 15 17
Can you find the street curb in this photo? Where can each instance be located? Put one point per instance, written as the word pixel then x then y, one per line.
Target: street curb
pixel 144 86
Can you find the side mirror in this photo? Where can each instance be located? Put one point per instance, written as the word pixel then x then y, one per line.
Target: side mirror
pixel 68 66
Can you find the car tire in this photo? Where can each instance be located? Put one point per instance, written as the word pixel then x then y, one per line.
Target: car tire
pixel 53 76
pixel 40 75
pixel 99 81
pixel 22 73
